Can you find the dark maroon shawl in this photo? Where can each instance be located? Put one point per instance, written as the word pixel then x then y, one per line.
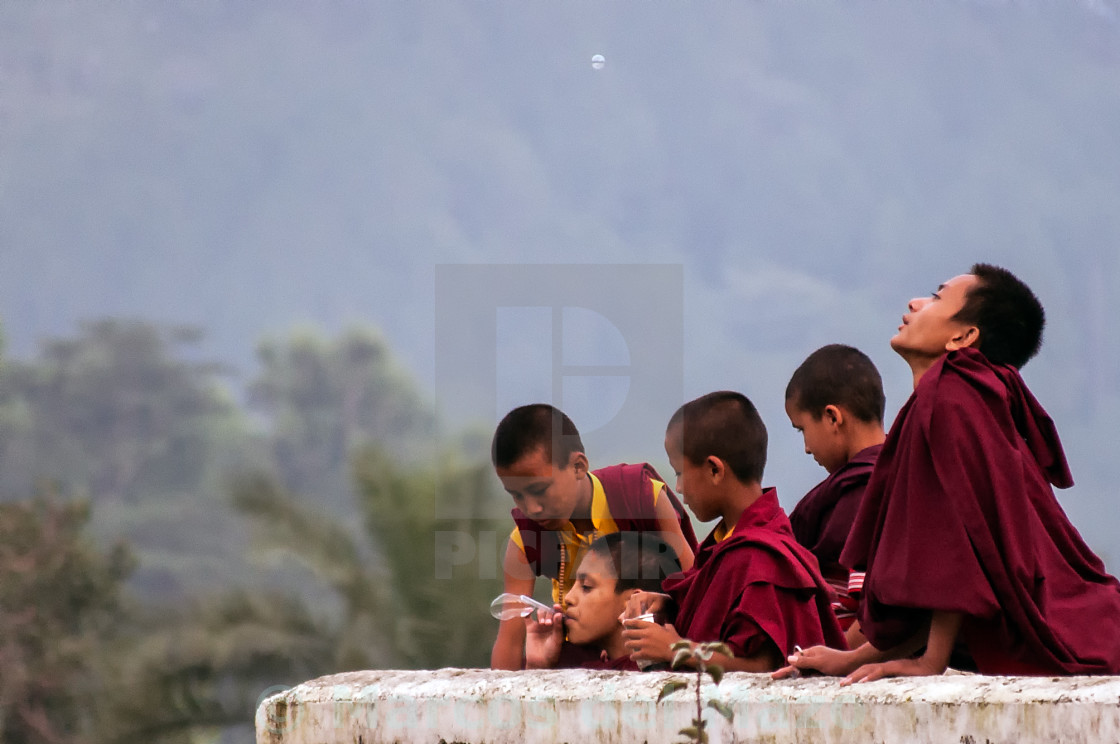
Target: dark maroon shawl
pixel 822 519
pixel 960 516
pixel 574 656
pixel 756 584
pixel 621 664
pixel 630 501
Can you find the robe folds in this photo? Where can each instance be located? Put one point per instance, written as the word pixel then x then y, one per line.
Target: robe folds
pixel 822 520
pixel 960 516
pixel 756 585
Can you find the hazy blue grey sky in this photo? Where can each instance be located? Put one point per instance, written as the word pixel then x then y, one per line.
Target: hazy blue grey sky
pixel 808 167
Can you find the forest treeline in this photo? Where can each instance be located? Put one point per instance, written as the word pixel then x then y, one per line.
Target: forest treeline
pixel 172 546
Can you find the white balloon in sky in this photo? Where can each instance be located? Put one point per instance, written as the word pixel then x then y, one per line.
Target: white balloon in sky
pixel 597 62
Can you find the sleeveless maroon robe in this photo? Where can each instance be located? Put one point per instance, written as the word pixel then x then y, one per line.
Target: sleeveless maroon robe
pixel 629 496
pixel 960 516
pixel 756 584
pixel 823 518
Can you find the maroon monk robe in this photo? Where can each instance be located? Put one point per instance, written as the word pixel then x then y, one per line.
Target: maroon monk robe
pixel 621 664
pixel 573 656
pixel 960 516
pixel 822 519
pixel 756 585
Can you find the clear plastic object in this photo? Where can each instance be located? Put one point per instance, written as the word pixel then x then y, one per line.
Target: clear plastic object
pixel 507 606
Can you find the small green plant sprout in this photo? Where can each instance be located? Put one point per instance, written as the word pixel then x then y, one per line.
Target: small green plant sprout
pixel 698 655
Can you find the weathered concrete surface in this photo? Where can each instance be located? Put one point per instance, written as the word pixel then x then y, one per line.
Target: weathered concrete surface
pixel 582 707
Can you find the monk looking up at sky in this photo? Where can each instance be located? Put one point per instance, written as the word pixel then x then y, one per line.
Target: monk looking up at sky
pixel 959 531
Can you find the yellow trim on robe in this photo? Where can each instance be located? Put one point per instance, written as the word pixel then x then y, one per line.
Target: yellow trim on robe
pixel 578 542
pixel 600 510
pixel 721 533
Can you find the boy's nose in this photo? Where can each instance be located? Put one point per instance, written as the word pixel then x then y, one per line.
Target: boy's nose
pixel 916 304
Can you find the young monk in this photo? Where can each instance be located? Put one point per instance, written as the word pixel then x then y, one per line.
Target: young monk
pixel 752 586
pixel 835 400
pixel 561 506
pixel 959 530
pixel 616 565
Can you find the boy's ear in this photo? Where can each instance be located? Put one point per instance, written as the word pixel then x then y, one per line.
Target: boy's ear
pixel 715 467
pixel 966 337
pixel 578 461
pixel 833 414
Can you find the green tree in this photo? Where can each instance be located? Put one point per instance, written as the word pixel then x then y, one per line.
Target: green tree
pixel 116 412
pixel 80 664
pixel 401 603
pixel 195 672
pixel 442 570
pixel 123 414
pixel 323 399
pixel 60 603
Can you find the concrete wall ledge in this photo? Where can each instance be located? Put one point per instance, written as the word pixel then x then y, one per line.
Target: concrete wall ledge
pixel 473 706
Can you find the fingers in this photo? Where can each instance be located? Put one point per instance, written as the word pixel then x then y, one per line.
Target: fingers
pixel 638 651
pixel 549 618
pixel 812 652
pixel 542 622
pixel 641 603
pixel 636 631
pixel 634 606
pixel 793 668
pixel 636 638
pixel 866 673
pixel 786 672
pixel 634 623
pixel 803 658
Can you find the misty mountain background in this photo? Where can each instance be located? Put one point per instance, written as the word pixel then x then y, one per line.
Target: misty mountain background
pixel 246 168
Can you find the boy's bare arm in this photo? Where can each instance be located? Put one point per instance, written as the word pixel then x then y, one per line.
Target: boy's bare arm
pixel 509 647
pixel 830 661
pixel 543 638
pixel 854 636
pixel 669 525
pixel 863 660
pixel 934 660
pixel 652 642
